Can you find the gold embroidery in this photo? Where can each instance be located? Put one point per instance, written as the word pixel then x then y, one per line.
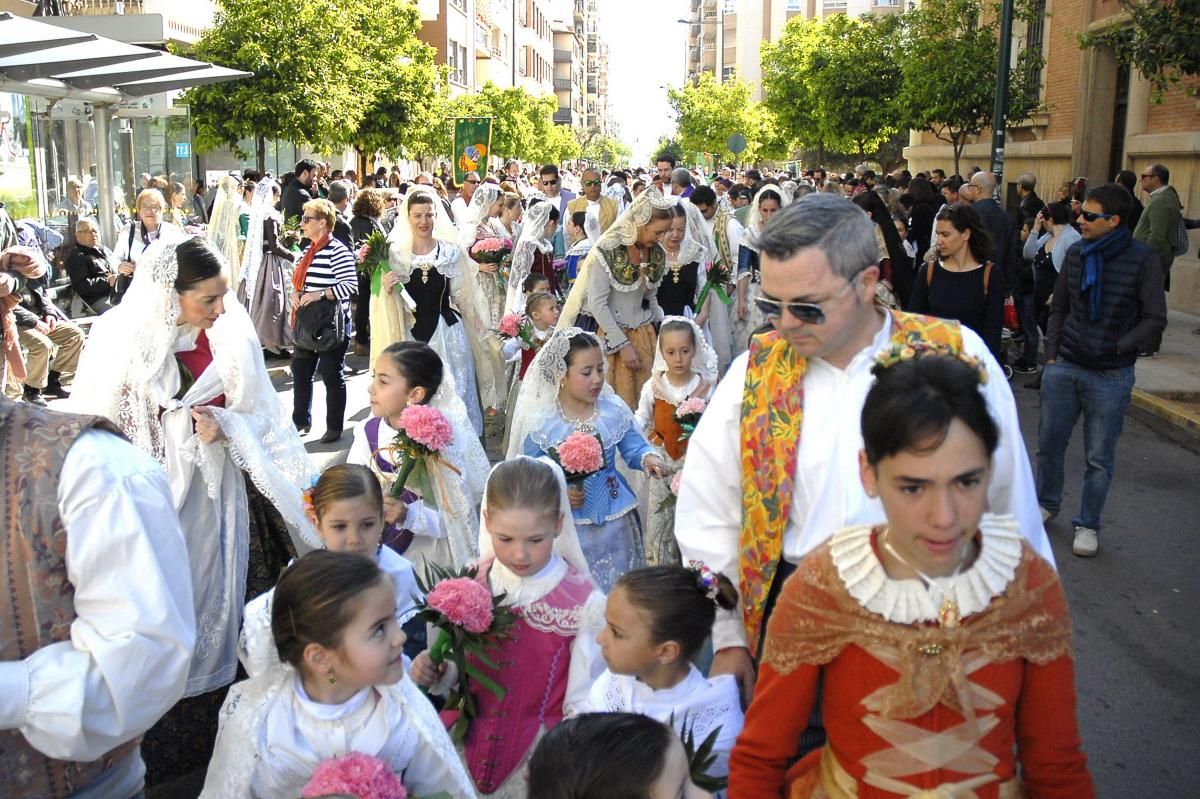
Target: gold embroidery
pixel 628 273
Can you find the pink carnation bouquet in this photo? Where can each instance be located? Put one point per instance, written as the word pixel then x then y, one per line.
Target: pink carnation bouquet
pixel 372 259
pixel 491 251
pixel 469 621
pixel 688 415
pixel 424 432
pixel 357 775
pixel 580 455
pixel 516 325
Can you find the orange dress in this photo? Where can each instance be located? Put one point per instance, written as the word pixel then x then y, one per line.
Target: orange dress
pixel 939 710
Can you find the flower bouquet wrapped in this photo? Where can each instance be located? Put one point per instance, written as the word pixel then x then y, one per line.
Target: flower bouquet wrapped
pixel 717 279
pixel 672 498
pixel 358 775
pixel 372 260
pixel 424 432
pixel 491 250
pixel 688 415
pixel 516 325
pixel 580 455
pixel 469 621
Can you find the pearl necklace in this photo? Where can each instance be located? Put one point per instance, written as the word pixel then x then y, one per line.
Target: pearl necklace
pixel 586 425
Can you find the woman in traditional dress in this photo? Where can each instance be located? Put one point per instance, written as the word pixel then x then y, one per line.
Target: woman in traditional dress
pixel 177 366
pixel 748 318
pixel 427 271
pixel 267 272
pixel 484 207
pixel 536 244
pixel 938 643
pixel 618 286
pixel 225 231
pixel 689 249
pixel 507 224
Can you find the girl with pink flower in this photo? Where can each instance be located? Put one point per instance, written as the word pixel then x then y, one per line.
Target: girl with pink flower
pixel 549 659
pixel 346 508
pixel 339 687
pixel 443 531
pixel 564 392
pixel 681 382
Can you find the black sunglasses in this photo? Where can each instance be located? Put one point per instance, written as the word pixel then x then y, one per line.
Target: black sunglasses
pixel 811 313
pixel 1092 216
pixel 549 182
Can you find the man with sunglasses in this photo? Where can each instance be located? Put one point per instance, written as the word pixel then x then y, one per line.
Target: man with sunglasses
pixel 772 471
pixel 550 183
pixel 1108 303
pixel 604 209
pixel 1159 227
pixel 458 208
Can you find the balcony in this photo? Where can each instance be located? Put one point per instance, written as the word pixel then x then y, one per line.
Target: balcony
pixel 562 84
pixel 562 56
pixel 103 7
pixel 483 40
pixel 562 116
pixel 152 22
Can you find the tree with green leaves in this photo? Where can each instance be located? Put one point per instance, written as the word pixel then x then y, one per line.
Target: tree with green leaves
pixel 708 112
pixel 607 150
pixel 1161 39
pixel 668 144
pixel 948 58
pixel 317 67
pixel 522 125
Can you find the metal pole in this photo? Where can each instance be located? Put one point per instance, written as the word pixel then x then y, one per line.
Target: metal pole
pixel 104 174
pixel 1000 113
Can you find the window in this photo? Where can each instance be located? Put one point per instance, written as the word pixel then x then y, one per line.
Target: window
pixel 456 59
pixel 727 73
pixel 793 5
pixel 729 7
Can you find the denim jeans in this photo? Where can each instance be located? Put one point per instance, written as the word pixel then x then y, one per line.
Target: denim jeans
pixel 332 367
pixel 1101 395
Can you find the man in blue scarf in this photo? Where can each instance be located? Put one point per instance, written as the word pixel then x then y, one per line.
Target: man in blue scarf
pixel 1108 303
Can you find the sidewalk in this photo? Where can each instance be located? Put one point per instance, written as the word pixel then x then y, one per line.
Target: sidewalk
pixel 1167 390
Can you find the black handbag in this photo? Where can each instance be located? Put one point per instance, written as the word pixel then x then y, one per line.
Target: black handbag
pixel 320 326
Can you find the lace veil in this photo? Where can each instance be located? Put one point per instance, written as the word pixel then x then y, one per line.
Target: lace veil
pixel 531 240
pixel 262 207
pixel 477 213
pixel 538 398
pixel 704 363
pixel 622 233
pixel 224 228
pixel 460 481
pixel 567 542
pixel 697 245
pixel 754 216
pixel 128 373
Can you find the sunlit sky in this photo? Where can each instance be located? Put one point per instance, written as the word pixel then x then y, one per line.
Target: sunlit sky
pixel 646 54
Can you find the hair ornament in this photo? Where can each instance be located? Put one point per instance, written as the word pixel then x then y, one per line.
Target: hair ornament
pixel 706 578
pixel 307 495
pixel 914 349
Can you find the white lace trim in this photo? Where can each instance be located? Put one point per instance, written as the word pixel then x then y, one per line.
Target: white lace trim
pixel 911 601
pixel 523 590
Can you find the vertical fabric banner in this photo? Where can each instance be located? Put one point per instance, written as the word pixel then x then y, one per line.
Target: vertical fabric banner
pixel 472 146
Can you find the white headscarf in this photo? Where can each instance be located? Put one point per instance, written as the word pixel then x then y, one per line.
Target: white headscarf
pixel 754 221
pixel 532 240
pixel 566 544
pixel 261 207
pixel 477 212
pixel 224 229
pixel 705 361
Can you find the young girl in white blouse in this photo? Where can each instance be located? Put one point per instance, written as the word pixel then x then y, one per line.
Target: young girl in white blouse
pixel 657 619
pixel 340 688
pixel 412 373
pixel 549 659
pixel 346 508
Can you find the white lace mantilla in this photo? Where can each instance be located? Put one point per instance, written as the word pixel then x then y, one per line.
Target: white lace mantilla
pixel 911 601
pixel 444 258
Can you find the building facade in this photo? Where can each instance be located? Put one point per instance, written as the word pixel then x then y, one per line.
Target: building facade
pixel 1099 117
pixel 570 62
pixel 503 42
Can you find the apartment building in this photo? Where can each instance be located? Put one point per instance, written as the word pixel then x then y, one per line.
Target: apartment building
pixel 505 42
pixel 570 62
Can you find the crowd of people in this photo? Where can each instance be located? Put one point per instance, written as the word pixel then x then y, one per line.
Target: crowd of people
pixel 737 452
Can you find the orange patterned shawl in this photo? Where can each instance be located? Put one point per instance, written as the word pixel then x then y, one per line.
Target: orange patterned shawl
pixel 772 415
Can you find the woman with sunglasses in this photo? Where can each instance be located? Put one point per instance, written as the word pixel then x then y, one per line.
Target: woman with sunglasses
pixel 144 229
pixel 766 203
pixel 326 272
pixel 961 283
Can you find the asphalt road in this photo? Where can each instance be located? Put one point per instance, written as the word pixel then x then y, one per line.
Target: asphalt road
pixel 1134 612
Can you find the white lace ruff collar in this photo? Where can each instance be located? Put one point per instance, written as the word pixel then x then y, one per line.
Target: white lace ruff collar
pixel 524 590
pixel 911 601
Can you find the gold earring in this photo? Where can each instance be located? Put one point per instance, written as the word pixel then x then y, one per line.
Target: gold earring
pixel 332 679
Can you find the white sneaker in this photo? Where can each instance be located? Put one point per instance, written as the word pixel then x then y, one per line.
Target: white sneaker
pixel 1047 515
pixel 1087 542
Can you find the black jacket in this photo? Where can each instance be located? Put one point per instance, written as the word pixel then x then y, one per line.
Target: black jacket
pixel 35 301
pixel 293 200
pixel 88 270
pixel 363 226
pixel 1133 309
pixel 1000 226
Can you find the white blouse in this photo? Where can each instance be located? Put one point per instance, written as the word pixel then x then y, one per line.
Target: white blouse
pixel 699 704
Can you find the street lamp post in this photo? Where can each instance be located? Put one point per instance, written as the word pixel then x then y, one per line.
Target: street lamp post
pixel 1000 111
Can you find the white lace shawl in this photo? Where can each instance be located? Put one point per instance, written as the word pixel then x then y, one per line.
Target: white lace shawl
pixel 531 241
pixel 754 221
pixel 261 208
pixel 704 363
pixel 128 374
pixel 486 194
pixel 241 736
pixel 224 229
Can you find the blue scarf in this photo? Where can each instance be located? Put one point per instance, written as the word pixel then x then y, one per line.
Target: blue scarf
pixel 1093 253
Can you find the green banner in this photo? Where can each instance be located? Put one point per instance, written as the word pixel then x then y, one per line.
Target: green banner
pixel 472 146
